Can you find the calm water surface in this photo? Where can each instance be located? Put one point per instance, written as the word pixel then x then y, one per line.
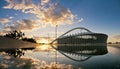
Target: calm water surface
pixel 111 60
pixel 45 57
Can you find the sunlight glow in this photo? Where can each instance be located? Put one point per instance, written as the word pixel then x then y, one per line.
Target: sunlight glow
pixel 43 47
pixel 43 40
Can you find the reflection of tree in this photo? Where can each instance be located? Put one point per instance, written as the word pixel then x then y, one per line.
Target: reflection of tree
pixel 18 35
pixel 15 52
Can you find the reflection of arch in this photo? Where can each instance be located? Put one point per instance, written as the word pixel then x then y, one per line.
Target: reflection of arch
pixel 82 28
pixel 83 50
pixel 102 51
pixel 77 60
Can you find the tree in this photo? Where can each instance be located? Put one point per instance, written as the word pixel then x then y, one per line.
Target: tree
pixel 18 35
pixel 29 40
pixel 109 42
pixel 15 34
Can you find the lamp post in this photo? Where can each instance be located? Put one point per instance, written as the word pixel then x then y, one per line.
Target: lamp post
pixel 56 31
pixel 56 44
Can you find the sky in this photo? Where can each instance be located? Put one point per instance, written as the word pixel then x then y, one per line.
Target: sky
pixel 38 18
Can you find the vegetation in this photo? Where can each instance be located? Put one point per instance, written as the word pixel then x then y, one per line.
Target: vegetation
pixel 20 36
pixel 113 42
pixel 29 40
pixel 15 34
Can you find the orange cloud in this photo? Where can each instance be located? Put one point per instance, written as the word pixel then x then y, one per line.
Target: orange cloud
pixel 114 38
pixel 4 20
pixel 25 24
pixel 46 11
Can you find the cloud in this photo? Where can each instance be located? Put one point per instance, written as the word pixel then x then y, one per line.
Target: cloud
pixel 24 24
pixel 4 20
pixel 46 12
pixel 3 66
pixel 80 20
pixel 114 38
pixel 56 14
pixel 11 17
pixel 19 5
pixel 9 62
pixel 43 2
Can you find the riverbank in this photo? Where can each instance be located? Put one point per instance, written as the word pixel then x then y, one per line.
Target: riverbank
pixel 114 45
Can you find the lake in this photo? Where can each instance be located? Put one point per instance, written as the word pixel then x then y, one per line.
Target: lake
pixel 44 57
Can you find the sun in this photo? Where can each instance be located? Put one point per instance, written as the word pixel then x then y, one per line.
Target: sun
pixel 43 40
pixel 43 47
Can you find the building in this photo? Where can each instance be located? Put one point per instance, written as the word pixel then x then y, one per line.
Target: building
pixel 82 41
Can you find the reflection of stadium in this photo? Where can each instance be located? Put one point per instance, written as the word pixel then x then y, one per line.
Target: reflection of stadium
pixel 84 53
pixel 86 50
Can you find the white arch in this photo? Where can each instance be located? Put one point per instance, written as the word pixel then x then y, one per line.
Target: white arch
pixel 75 29
pixel 70 31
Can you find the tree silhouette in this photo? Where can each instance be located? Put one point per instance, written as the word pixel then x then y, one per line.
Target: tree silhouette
pixel 15 34
pixel 29 40
pixel 18 35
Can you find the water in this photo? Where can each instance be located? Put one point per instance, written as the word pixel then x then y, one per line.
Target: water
pixel 46 58
pixel 111 60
